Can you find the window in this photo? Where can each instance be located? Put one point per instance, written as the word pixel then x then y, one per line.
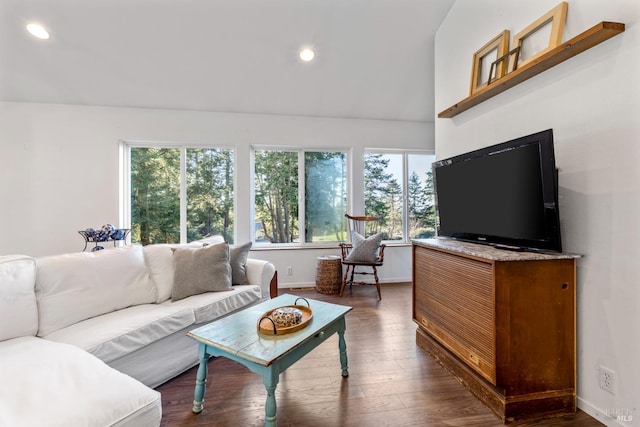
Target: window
pixel 398 187
pixel 179 194
pixel 294 187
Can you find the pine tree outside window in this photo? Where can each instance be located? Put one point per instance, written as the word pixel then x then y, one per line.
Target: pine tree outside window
pixel 179 194
pixel 398 187
pixel 299 196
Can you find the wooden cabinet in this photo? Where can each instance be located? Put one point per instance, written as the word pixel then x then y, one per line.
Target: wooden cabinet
pixel 502 322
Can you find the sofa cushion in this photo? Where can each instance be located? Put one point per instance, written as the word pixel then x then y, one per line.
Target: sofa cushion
pixel 116 334
pixel 45 383
pixel 74 287
pixel 210 240
pixel 200 270
pixel 159 259
pixel 211 305
pixel 18 310
pixel 238 259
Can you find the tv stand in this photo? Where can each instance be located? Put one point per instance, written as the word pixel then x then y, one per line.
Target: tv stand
pixel 502 322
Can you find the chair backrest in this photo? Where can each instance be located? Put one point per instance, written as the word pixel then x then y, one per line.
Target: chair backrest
pixel 363 225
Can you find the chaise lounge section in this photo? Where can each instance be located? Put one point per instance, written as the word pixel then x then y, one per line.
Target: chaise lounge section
pixel 84 336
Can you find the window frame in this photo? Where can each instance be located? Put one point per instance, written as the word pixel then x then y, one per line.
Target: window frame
pixel 406 239
pixel 125 147
pixel 300 150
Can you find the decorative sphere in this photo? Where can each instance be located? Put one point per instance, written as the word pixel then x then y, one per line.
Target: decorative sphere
pixel 97 248
pixel 90 232
pixel 286 316
pixel 107 229
pixel 117 234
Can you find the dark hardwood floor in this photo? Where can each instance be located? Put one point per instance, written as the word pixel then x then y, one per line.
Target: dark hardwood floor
pixel 391 381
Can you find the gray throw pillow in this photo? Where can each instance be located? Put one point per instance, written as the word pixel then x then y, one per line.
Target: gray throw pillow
pixel 201 270
pixel 364 250
pixel 238 261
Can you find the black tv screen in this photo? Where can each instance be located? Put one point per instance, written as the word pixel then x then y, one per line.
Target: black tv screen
pixel 504 195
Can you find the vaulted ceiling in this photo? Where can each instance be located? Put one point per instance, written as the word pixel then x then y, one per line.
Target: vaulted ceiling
pixel 374 58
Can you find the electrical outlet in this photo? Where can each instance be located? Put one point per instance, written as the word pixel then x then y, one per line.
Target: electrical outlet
pixel 289 271
pixel 607 379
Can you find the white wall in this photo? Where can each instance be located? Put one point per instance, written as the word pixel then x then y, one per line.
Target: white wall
pixel 592 103
pixel 59 169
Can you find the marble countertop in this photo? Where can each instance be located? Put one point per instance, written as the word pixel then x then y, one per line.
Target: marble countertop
pixel 489 252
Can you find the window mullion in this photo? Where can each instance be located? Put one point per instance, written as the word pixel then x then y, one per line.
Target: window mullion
pixel 405 197
pixel 124 220
pixel 302 238
pixel 183 194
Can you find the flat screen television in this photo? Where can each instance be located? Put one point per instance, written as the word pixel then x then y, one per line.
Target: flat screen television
pixel 504 195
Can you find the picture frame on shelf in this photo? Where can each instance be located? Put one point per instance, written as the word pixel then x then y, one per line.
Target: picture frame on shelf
pixel 510 60
pixel 481 71
pixel 554 21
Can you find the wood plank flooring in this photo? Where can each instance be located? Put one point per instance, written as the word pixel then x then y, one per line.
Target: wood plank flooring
pixel 391 381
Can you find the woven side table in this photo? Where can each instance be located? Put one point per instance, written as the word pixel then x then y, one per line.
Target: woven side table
pixel 329 275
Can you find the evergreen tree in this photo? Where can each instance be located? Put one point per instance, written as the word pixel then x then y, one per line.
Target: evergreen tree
pixel 376 179
pixel 325 197
pixel 155 195
pixel 209 193
pixel 276 194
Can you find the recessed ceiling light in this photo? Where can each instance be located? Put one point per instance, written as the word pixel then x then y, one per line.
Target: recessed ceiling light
pixel 307 54
pixel 38 31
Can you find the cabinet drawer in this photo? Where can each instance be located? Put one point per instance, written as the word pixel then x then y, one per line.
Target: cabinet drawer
pixel 454 302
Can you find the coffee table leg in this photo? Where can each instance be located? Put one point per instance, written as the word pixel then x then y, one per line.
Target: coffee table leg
pixel 271 378
pixel 342 345
pixel 201 380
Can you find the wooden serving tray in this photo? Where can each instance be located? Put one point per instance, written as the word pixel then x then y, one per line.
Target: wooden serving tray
pixel 270 328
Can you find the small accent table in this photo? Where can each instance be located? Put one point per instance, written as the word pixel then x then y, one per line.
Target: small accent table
pixel 236 337
pixel 329 274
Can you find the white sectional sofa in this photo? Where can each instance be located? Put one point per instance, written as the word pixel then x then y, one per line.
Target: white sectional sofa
pixel 85 336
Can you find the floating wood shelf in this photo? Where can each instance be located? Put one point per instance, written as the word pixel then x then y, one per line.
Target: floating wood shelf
pixel 593 36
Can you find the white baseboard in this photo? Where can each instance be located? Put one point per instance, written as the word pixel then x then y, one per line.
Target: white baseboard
pixel 608 419
pixel 298 285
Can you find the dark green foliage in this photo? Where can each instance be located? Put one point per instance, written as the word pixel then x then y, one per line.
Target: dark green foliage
pixel 383 197
pixel 276 194
pixel 155 194
pixel 325 196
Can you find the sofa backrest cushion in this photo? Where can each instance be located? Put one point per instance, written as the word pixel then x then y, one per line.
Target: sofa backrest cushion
pixel 18 309
pixel 159 259
pixel 201 270
pixel 78 286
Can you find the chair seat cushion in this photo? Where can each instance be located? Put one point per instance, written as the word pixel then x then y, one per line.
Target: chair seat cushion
pixel 377 263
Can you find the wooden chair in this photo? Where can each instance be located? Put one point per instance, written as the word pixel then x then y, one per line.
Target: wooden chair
pixel 365 226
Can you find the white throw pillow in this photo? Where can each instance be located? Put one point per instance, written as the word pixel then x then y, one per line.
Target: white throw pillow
pixel 18 310
pixel 77 286
pixel 364 250
pixel 159 259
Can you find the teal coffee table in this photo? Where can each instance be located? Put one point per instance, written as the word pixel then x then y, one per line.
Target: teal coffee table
pixel 236 337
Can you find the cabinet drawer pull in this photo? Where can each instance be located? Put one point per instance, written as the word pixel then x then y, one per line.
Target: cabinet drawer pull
pixel 424 322
pixel 473 358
